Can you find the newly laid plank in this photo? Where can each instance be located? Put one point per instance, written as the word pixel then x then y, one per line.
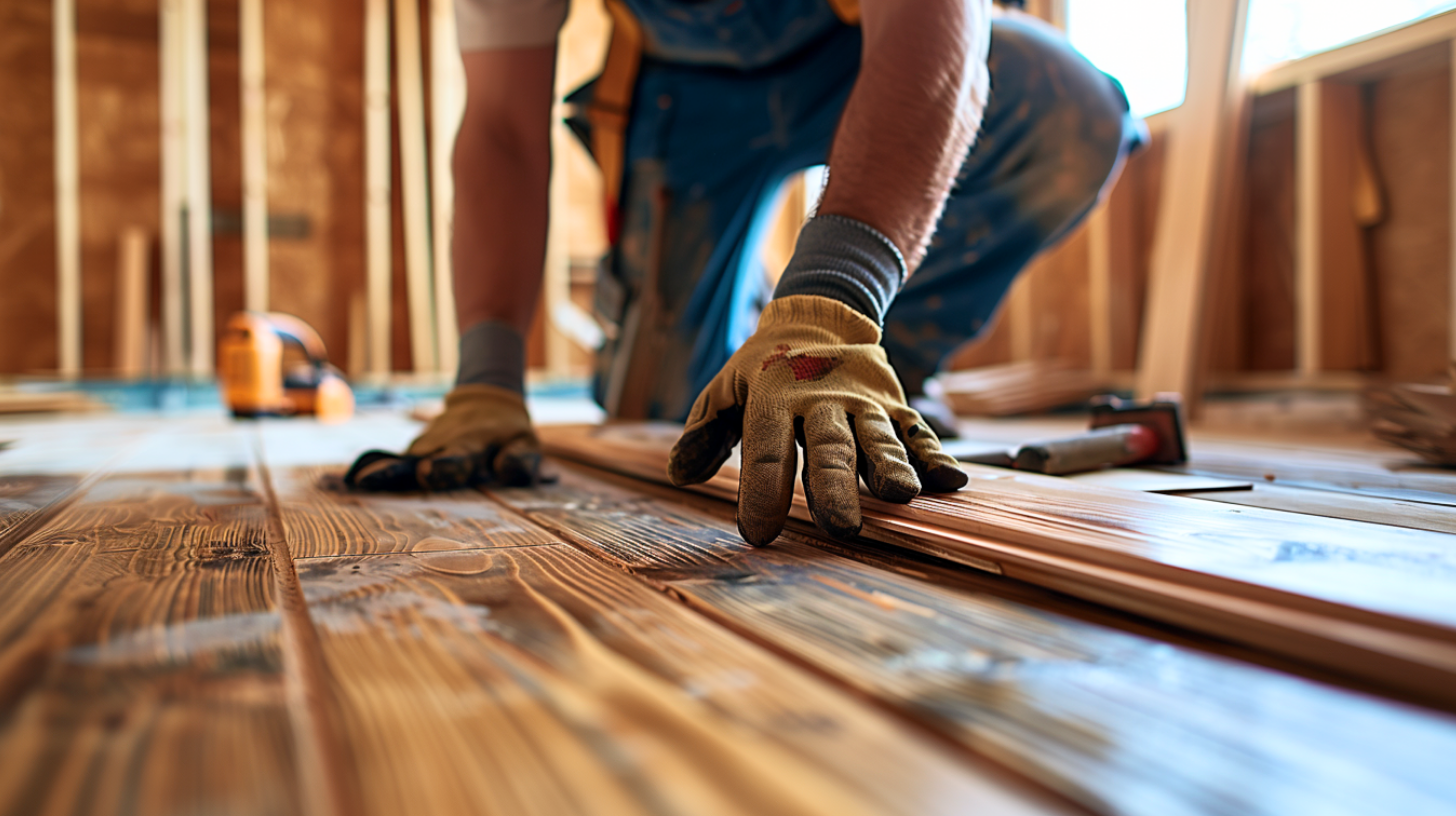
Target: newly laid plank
pixel 1389 474
pixel 1393 512
pixel 1363 599
pixel 141 667
pixel 1120 723
pixel 536 679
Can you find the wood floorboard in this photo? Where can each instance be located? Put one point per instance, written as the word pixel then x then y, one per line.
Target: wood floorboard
pixel 535 679
pixel 1437 518
pixel 1120 723
pixel 140 660
pixel 1367 600
pixel 1387 474
pixel 321 518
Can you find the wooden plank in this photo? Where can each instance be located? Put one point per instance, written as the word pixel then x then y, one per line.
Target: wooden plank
pixel 141 659
pixel 1099 289
pixel 508 678
pixel 1368 601
pixel 1370 50
pixel 200 339
pixel 1391 512
pixel 1333 307
pixel 1118 722
pixel 1451 309
pixel 321 518
pixel 174 185
pixel 1200 148
pixel 1385 473
pixel 414 184
pixel 447 106
pixel 377 201
pixel 68 191
pixel 132 303
pixel 251 76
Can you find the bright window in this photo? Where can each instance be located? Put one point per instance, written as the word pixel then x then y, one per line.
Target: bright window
pixel 1280 30
pixel 1144 43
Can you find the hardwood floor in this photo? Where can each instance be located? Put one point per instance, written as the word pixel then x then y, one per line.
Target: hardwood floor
pixel 195 617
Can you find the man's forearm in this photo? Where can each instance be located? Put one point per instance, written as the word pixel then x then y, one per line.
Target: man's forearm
pixel 911 117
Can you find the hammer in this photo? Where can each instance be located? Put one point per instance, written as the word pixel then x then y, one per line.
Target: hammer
pixel 1123 433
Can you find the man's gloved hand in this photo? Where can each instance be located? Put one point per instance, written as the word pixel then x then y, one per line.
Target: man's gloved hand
pixel 813 372
pixel 483 436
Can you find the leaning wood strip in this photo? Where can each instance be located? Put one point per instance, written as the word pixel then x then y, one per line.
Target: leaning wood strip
pixel 1366 600
pixel 537 680
pixel 1121 723
pixel 140 668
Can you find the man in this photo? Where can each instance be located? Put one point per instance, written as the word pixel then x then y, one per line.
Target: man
pixel 703 108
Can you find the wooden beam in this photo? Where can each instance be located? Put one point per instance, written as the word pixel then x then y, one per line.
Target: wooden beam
pixel 1099 288
pixel 1333 326
pixel 68 183
pixel 447 105
pixel 1021 316
pixel 200 357
pixel 130 344
pixel 414 184
pixel 255 156
pixel 378 257
pixel 1451 320
pixel 1200 147
pixel 174 186
pixel 1376 47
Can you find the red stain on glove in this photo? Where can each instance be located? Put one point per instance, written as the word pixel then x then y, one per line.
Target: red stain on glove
pixel 804 366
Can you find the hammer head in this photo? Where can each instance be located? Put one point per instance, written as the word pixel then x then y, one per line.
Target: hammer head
pixel 1164 417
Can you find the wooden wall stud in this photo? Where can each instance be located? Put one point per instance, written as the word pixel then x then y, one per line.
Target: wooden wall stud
pixel 68 182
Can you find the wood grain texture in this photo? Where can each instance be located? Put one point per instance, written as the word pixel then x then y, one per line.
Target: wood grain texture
pixel 321 518
pixel 140 662
pixel 534 679
pixel 1099 715
pixel 1366 600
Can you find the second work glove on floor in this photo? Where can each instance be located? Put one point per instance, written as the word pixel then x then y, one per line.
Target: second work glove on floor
pixel 814 373
pixel 483 436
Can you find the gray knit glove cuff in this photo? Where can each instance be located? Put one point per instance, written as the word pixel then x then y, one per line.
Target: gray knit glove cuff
pixel 492 353
pixel 847 260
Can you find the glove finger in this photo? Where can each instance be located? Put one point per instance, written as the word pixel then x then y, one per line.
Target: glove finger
pixel 766 480
pixel 938 470
pixel 452 469
pixel 518 464
pixel 379 470
pixel 882 460
pixel 707 442
pixel 831 480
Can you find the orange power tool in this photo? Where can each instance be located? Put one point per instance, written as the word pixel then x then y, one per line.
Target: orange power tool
pixel 258 381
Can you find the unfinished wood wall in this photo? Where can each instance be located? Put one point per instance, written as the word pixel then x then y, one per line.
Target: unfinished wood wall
pixel 315 162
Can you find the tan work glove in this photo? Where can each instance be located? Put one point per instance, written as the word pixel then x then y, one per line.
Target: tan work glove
pixel 813 372
pixel 483 436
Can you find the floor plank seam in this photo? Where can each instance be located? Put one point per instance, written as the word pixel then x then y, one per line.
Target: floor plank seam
pixel 311 706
